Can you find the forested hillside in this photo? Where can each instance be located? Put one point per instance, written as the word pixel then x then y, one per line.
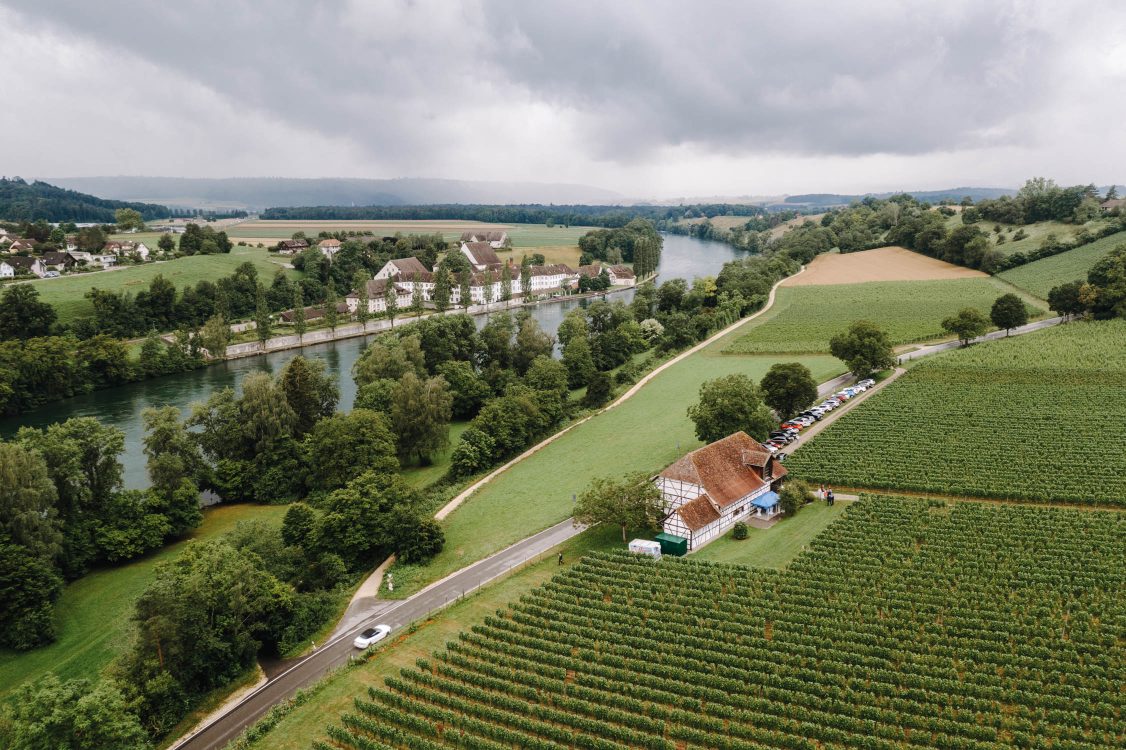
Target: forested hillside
pixel 24 201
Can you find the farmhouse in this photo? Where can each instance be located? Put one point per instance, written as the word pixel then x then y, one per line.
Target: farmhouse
pixel 495 239
pixel 21 264
pixel 621 275
pixel 18 245
pixel 711 488
pixel 329 248
pixel 1113 204
pixel 292 247
pixel 480 255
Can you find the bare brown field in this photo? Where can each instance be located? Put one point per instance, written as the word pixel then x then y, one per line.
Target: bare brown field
pixel 881 264
pixel 781 229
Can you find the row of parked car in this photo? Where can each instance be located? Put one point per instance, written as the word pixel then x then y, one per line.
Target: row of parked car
pixel 789 430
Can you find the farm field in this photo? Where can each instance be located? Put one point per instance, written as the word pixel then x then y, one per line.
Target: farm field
pixel 94 612
pixel 777 546
pixel 523 235
pixel 804 318
pixel 1037 417
pixel 882 264
pixel 906 625
pixel 66 293
pixel 648 432
pixel 1040 276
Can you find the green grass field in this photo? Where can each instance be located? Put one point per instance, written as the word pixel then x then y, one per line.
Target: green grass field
pixel 1035 232
pixel 646 433
pixel 1040 276
pixel 93 614
pixel 777 546
pixel 804 318
pixel 1036 417
pixel 421 476
pixel 66 293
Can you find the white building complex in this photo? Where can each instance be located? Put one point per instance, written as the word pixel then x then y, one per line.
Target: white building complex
pixel 711 488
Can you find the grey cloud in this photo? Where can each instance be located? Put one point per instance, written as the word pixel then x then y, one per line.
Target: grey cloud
pixel 408 81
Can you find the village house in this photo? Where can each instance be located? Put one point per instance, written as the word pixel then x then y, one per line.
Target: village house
pixel 18 245
pixel 377 296
pixel 17 264
pixel 495 239
pixel 480 255
pixel 71 243
pixel 56 261
pixel 621 275
pixel 711 488
pixel 329 248
pixel 1113 204
pixel 89 260
pixel 125 248
pixel 292 247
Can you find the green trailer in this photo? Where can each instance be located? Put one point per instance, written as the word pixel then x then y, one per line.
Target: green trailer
pixel 671 544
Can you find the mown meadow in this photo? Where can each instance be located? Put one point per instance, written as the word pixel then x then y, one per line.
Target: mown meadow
pixel 1040 276
pixel 804 318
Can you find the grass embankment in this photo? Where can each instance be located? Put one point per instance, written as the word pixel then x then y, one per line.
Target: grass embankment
pixel 804 318
pixel 773 548
pixel 67 293
pixel 1040 276
pixel 93 615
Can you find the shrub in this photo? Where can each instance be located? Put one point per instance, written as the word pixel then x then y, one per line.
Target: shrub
pixel 739 530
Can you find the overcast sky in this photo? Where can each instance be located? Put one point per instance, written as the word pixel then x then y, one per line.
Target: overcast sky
pixel 649 98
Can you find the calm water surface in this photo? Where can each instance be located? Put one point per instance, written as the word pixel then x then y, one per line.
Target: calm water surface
pixel 121 407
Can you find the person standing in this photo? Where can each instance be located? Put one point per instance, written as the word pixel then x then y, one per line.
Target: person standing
pixel 830 495
pixel 820 492
pixel 560 558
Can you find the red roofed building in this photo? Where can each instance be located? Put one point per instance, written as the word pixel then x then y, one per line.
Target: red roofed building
pixel 711 488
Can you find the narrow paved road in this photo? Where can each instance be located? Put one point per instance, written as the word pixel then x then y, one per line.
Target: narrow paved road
pixel 288 678
pixel 304 672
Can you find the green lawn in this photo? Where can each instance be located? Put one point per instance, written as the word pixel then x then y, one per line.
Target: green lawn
pixel 646 433
pixel 66 293
pixel 777 546
pixel 1035 232
pixel 523 235
pixel 1040 276
pixel 804 318
pixel 93 613
pixel 422 476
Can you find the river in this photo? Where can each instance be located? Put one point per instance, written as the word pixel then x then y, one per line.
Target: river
pixel 121 407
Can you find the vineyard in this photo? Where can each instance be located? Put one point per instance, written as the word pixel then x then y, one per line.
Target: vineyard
pixel 1040 276
pixel 1037 417
pixel 907 625
pixel 804 318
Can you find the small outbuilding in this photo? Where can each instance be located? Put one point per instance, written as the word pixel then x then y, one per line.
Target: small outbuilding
pixel 671 544
pixel 646 547
pixel 766 506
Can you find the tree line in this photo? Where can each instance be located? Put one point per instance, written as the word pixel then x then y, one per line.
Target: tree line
pixel 1102 296
pixel 40 201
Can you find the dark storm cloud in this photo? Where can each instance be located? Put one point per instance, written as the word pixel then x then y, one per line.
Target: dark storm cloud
pixel 630 77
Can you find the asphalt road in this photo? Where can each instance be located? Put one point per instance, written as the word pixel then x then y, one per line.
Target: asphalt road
pixel 307 670
pixel 304 672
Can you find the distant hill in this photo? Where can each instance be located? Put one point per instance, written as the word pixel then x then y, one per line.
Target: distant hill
pixel 256 193
pixel 23 201
pixel 933 196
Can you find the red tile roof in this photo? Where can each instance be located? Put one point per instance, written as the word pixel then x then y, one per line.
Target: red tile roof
pixel 409 266
pixel 698 513
pixel 722 468
pixel 483 253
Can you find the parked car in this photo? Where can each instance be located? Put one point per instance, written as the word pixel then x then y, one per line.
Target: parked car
pixel 371 636
pixel 780 456
pixel 51 275
pixel 793 425
pixel 867 382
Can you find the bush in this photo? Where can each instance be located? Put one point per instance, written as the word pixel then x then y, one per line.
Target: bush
pixel 739 530
pixel 795 493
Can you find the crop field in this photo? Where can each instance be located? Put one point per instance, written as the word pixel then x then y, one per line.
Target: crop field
pixel 891 263
pixel 523 235
pixel 907 625
pixel 93 614
pixel 1037 417
pixel 804 318
pixel 1040 276
pixel 66 293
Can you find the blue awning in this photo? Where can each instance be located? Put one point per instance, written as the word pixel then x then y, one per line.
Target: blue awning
pixel 767 501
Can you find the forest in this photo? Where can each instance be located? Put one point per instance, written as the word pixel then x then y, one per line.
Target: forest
pixel 24 201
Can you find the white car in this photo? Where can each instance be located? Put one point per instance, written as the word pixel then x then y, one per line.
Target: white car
pixel 371 636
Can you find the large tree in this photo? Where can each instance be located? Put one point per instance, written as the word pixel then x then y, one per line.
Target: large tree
pixel 27 502
pixel 420 416
pixel 632 502
pixel 309 391
pixel 730 404
pixel 22 315
pixel 262 318
pixel 343 446
pixel 788 387
pixel 215 336
pixel 1008 312
pixel 73 715
pixel 967 325
pixel 864 348
pixel 531 342
pixel 29 587
pixel 1066 299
